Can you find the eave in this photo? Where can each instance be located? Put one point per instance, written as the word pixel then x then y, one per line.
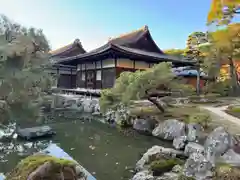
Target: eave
pixel 154 57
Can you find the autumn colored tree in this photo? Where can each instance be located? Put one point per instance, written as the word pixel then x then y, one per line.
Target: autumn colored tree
pixel 227 41
pixel 222 11
pixel 158 81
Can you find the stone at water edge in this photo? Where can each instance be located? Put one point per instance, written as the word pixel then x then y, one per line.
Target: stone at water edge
pixel 192 147
pixel 155 152
pixel 179 143
pixel 169 129
pixel 144 125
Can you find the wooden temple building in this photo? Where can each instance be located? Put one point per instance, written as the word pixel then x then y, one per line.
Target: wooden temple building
pixel 99 68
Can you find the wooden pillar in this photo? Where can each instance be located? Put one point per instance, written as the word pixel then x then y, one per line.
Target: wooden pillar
pixel 58 77
pixel 85 75
pixel 95 74
pixel 101 73
pixel 71 79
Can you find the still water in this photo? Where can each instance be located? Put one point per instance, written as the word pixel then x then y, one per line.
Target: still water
pixel 106 152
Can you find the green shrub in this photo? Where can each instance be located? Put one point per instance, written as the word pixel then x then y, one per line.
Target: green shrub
pixel 220 87
pixel 159 167
pixel 203 118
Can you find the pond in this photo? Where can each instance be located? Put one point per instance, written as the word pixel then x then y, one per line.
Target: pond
pixel 106 152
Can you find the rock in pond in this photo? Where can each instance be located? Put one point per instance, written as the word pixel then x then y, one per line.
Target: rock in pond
pixel 154 152
pixel 169 129
pixel 35 132
pixel 144 125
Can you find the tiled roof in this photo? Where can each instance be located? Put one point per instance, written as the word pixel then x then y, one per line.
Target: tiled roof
pixel 131 51
pixel 68 47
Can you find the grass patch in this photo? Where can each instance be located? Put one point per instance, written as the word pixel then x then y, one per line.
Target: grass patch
pixel 233 110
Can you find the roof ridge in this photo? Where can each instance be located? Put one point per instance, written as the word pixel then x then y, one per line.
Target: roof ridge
pixel 144 28
pixel 76 41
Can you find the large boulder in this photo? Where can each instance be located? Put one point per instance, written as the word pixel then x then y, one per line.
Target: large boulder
pixel 217 143
pixel 169 129
pixel 144 125
pixel 42 166
pixel 154 153
pixel 35 132
pixel 198 167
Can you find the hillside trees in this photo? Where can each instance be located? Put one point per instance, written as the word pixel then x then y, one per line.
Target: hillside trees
pixel 158 81
pixel 23 58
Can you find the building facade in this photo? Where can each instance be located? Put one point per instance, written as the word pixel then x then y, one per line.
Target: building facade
pixel 99 68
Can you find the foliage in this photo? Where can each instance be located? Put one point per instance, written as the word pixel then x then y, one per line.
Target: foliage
pixel 195 39
pixel 223 11
pixel 203 118
pixel 142 85
pixel 175 52
pixel 164 165
pixel 22 64
pixel 31 163
pixel 227 41
pixel 218 87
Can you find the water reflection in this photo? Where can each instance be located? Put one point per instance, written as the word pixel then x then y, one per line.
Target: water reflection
pixel 102 150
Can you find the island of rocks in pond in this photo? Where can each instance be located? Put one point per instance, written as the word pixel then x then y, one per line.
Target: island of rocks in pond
pixel 216 158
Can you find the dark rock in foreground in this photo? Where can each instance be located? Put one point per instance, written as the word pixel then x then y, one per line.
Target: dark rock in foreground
pixel 35 132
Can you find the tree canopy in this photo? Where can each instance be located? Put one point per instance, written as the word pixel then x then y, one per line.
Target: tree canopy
pixel 23 58
pixel 158 81
pixel 223 11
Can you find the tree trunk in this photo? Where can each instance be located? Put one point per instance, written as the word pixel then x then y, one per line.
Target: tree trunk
pixel 233 76
pixel 157 104
pixel 198 81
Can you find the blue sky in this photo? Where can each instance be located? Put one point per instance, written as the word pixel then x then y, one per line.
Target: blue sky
pixel 94 21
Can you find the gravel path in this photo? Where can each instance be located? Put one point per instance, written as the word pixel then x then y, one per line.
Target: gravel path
pixel 221 118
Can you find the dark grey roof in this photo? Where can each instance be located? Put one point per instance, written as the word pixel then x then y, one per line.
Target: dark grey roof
pixel 157 57
pixel 76 44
